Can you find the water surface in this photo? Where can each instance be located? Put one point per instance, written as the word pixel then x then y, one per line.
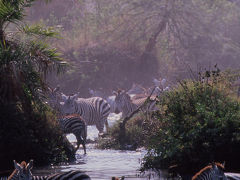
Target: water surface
pixel 103 164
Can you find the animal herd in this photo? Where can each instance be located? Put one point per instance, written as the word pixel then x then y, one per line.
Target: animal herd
pixel 76 113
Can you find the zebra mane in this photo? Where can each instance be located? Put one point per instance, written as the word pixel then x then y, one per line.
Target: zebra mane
pixel 120 91
pixel 23 164
pixel 208 167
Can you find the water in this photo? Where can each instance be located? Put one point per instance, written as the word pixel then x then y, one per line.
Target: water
pixel 103 164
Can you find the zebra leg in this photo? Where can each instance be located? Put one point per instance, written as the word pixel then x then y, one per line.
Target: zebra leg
pixel 80 141
pixel 84 147
pixel 107 126
pixel 100 129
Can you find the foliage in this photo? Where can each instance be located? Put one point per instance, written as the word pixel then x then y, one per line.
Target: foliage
pixel 31 136
pixel 28 128
pixel 102 68
pixel 198 122
pixel 196 34
pixel 134 135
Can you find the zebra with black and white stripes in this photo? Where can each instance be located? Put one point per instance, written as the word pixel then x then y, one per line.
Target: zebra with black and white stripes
pixel 76 125
pixel 213 171
pixel 127 105
pixel 23 172
pixel 109 99
pixel 3 178
pixel 93 110
pixel 113 106
pixel 54 99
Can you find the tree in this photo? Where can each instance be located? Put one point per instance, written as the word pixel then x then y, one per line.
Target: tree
pixel 24 62
pixel 170 36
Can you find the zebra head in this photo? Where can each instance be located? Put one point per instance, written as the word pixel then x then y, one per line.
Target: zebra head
pixel 113 106
pixel 218 170
pixel 54 97
pixel 23 170
pixel 69 104
pixel 214 171
pixel 121 99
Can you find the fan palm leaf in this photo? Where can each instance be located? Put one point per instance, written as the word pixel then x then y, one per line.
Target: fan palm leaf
pixel 25 57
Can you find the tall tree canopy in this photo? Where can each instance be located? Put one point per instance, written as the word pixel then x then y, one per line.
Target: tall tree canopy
pixel 167 37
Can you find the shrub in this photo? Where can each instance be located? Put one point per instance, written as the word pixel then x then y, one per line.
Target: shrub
pixel 134 135
pixel 27 128
pixel 31 136
pixel 198 122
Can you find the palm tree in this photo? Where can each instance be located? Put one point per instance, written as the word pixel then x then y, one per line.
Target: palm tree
pixel 25 59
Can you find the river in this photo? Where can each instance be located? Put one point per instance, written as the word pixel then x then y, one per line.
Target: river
pixel 103 164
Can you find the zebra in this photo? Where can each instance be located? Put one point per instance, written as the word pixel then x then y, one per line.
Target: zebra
pixel 93 110
pixel 113 106
pixel 109 99
pixel 75 124
pixel 54 98
pixel 160 86
pixel 214 171
pixel 232 176
pixel 96 93
pixel 23 172
pixel 127 105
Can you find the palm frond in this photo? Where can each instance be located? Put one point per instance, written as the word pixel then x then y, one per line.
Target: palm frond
pixel 46 58
pixel 12 10
pixel 39 30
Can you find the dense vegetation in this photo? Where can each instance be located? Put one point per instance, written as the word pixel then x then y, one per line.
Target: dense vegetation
pixel 198 122
pixel 134 136
pixel 29 128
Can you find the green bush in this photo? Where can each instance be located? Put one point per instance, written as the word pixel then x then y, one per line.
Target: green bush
pixel 198 122
pixel 134 135
pixel 31 136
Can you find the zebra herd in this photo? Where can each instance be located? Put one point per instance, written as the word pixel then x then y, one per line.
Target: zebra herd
pixel 75 113
pixel 93 110
pixel 213 171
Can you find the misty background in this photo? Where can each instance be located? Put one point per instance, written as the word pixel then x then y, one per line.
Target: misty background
pixel 112 44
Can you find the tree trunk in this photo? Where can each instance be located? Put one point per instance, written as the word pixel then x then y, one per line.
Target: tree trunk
pixel 153 39
pixel 147 60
